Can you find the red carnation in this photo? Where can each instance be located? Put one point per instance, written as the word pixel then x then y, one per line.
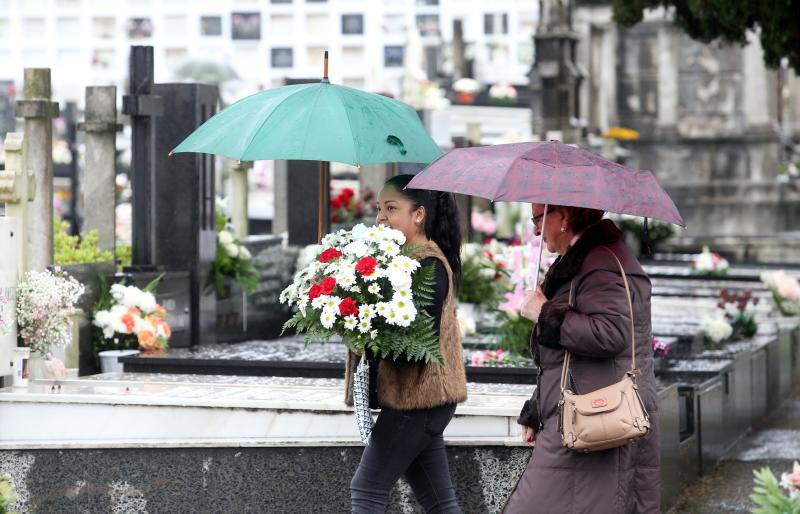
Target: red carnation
pixel 314 292
pixel 348 307
pixel 336 203
pixel 366 266
pixel 348 193
pixel 329 255
pixel 327 285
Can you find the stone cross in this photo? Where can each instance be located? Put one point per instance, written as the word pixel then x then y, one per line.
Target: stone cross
pixel 16 191
pixel 99 183
pixel 143 107
pixel 38 112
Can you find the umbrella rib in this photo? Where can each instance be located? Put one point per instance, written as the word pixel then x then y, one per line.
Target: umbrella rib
pixel 349 125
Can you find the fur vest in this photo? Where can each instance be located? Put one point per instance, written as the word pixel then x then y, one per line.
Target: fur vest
pixel 409 385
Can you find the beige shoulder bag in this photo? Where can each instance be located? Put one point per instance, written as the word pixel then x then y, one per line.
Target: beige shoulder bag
pixel 606 418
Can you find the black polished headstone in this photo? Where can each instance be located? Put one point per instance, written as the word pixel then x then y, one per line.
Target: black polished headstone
pixel 185 236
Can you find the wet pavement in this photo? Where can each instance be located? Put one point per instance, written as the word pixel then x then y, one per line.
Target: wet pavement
pixel 774 443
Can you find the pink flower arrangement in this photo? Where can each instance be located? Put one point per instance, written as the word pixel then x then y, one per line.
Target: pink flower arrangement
pixel 660 347
pixel 6 312
pixel 489 358
pixel 785 291
pixel 483 223
pixel 708 263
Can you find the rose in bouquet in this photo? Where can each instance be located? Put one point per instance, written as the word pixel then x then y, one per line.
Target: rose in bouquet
pixel 45 301
pixel 128 318
pixel 233 259
pixel 785 291
pixel 708 263
pixel 364 286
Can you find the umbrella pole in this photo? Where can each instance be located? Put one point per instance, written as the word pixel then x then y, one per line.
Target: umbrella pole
pixel 324 184
pixel 539 253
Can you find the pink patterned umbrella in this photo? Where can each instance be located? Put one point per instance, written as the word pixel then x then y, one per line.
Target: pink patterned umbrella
pixel 549 173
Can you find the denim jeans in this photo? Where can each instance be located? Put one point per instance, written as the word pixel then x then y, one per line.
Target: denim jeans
pixel 406 443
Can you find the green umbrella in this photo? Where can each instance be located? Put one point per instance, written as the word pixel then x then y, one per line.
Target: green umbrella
pixel 319 122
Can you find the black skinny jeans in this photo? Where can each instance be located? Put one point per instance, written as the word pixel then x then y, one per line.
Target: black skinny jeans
pixel 408 443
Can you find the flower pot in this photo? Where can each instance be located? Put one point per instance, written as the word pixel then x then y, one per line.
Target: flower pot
pixel 109 360
pixel 22 356
pixel 463 97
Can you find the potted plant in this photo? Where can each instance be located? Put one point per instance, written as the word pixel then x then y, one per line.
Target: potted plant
pixel 129 321
pixel 46 301
pixel 466 89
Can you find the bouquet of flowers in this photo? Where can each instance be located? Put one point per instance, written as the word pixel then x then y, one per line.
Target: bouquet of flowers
pixel 785 291
pixel 45 300
pixel 483 276
pixel 660 347
pixel 128 318
pixel 233 258
pixel 503 93
pixel 739 311
pixel 707 263
pixel 716 330
pixel 363 286
pixel 768 495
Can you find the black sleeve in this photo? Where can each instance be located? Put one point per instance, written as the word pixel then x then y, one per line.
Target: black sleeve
pixel 440 291
pixel 529 416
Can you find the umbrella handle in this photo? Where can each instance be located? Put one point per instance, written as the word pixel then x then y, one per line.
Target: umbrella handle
pixel 539 253
pixel 325 74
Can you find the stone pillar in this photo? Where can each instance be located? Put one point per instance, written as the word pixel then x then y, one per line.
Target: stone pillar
pixel 239 196
pixel 99 181
pixel 9 237
pixel 39 111
pixel 16 191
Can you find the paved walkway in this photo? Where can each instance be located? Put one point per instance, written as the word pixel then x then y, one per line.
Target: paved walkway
pixel 774 443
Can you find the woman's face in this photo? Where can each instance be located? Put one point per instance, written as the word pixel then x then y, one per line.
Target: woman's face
pixel 397 211
pixel 551 232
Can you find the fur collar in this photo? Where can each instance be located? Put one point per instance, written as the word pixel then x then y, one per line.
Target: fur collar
pixel 567 266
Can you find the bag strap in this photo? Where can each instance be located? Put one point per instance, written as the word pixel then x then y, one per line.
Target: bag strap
pixel 568 355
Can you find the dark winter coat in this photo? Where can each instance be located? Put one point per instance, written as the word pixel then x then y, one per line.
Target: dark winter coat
pixel 596 329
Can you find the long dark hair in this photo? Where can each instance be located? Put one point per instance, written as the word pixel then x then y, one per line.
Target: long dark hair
pixel 441 219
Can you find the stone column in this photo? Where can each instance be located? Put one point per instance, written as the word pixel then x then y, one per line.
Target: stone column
pixel 39 111
pixel 99 181
pixel 16 191
pixel 239 195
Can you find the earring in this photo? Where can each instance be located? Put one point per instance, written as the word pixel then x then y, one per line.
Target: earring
pixel 563 229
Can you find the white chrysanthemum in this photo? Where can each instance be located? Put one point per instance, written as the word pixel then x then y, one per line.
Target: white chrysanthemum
pixel 404 319
pixel 366 311
pixel 244 253
pixel 403 263
pixel 328 318
pixel 402 305
pixel 316 266
pixel 364 325
pixel 382 308
pixel 345 280
pixel 232 250
pixel 717 329
pixel 332 303
pixel 359 231
pixel 390 248
pixel 392 316
pixel 301 305
pixel 356 249
pixel 350 322
pixel 225 237
pixel 319 301
pixel 402 294
pixel 400 279
pixel 355 289
pixel 374 288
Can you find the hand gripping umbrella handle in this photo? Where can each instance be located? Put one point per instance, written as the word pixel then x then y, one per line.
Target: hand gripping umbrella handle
pixel 539 253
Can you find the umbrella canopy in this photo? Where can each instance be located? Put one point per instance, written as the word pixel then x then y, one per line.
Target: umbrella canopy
pixel 549 173
pixel 320 122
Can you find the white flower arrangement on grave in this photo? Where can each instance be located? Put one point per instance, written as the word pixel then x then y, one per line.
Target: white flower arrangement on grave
pixel 785 291
pixel 503 93
pixel 45 301
pixel 466 85
pixel 716 330
pixel 129 318
pixel 233 258
pixel 363 285
pixel 708 263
